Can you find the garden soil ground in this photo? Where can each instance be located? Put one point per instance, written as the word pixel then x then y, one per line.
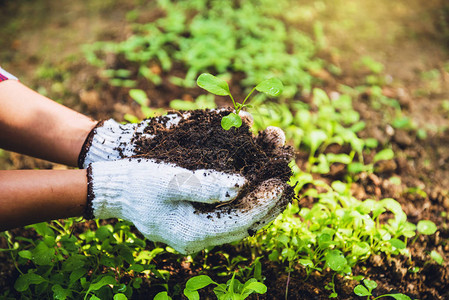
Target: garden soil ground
pixel 394 34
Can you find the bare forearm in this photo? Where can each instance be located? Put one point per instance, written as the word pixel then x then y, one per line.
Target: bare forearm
pixel 35 125
pixel 31 196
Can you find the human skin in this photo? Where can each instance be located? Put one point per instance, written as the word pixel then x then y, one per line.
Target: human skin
pixel 34 125
pixel 32 196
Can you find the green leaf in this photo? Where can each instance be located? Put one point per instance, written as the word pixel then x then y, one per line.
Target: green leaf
pixel 43 255
pixel 24 281
pixel 101 283
pixel 231 120
pixel 183 105
pixel 77 274
pixel 360 248
pixel 306 262
pixel 394 206
pixel 398 244
pixel 191 295
pixel 43 229
pixel 398 296
pixel 356 167
pixel 140 97
pixel 161 296
pixel 74 262
pixel 437 257
pixel 426 227
pixel 361 291
pixel 198 282
pixel 60 293
pixel 272 87
pixel 370 284
pixel 385 154
pixel 213 84
pixel 336 260
pixel 25 254
pixel 316 138
pixel 257 287
pixel 103 232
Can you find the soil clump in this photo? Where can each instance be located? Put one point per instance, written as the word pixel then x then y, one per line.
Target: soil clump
pixel 199 142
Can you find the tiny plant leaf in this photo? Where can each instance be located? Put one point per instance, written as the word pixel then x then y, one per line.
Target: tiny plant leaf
pixel 426 227
pixel 121 296
pixel 370 284
pixel 231 120
pixel 361 291
pixel 437 257
pixel 257 287
pixel 398 244
pixel 336 260
pixel 191 295
pixel 139 96
pixel 399 296
pixel 198 282
pixel 385 154
pixel 162 296
pixel 272 87
pixel 213 84
pixel 24 281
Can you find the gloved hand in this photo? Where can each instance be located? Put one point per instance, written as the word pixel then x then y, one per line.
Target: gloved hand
pixel 162 201
pixel 110 140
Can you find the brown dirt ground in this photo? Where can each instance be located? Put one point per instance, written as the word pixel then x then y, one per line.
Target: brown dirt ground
pixel 408 37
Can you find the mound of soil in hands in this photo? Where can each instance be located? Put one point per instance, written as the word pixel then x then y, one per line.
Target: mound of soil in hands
pixel 199 142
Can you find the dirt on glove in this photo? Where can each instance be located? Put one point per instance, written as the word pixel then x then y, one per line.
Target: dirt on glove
pixel 199 142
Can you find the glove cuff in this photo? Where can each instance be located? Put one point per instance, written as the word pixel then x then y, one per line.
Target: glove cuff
pixel 89 211
pixel 86 145
pixel 108 140
pixel 108 184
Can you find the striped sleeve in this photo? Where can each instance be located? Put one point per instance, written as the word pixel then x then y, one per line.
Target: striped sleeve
pixel 5 75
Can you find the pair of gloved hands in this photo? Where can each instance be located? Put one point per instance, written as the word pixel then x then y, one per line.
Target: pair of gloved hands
pixel 159 197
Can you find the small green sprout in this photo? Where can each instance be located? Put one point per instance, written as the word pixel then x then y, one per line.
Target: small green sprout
pixel 273 87
pixel 233 289
pixel 370 285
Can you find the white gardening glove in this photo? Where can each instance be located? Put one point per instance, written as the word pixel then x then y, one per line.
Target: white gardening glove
pixel 110 140
pixel 162 200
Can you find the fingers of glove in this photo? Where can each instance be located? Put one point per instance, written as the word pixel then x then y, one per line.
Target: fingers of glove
pixel 180 225
pixel 274 136
pixel 171 182
pixel 270 216
pixel 207 186
pixel 225 225
pixel 246 118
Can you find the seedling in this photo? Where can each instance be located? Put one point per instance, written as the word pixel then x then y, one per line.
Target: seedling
pixel 272 87
pixel 233 289
pixel 370 285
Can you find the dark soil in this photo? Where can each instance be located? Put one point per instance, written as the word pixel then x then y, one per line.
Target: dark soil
pixel 199 142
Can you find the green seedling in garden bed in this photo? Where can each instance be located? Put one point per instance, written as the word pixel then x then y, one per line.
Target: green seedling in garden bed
pixel 233 289
pixel 369 285
pixel 272 87
pixel 60 265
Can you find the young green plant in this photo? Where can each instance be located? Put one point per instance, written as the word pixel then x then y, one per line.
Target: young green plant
pixel 233 289
pixel 370 285
pixel 272 87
